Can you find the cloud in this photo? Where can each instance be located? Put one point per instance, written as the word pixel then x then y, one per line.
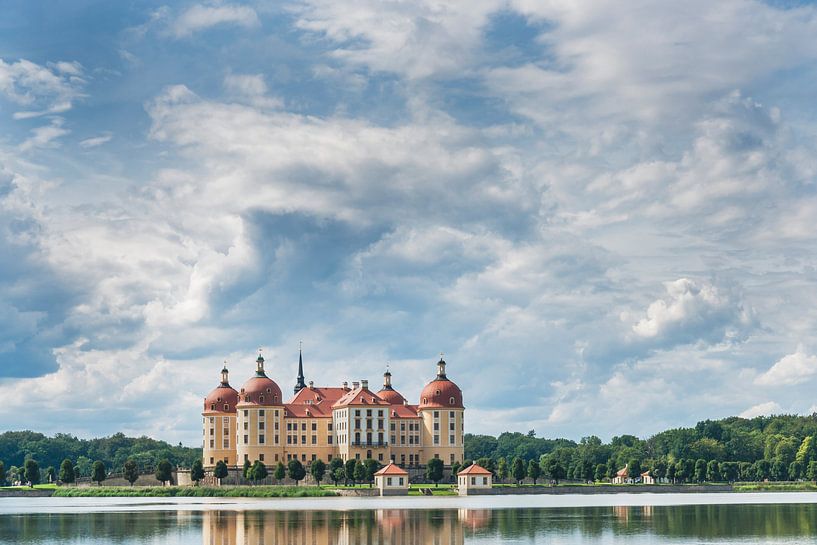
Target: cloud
pixel 694 310
pixel 200 17
pixel 95 141
pixel 45 136
pixel 250 88
pixel 762 409
pixel 789 370
pixel 48 90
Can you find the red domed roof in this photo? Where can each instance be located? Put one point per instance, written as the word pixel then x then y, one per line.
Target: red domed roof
pixel 222 399
pixel 441 392
pixel 391 396
pixel 260 390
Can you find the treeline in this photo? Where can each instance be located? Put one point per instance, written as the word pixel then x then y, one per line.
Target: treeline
pixel 18 446
pixel 777 448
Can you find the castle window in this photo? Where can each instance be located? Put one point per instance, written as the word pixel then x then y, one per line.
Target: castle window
pixel 212 406
pixel 261 412
pixel 437 393
pixel 275 399
pixel 260 399
pixel 425 400
pixel 226 408
pixel 451 401
pixel 261 439
pixel 261 457
pixel 247 399
pixel 246 412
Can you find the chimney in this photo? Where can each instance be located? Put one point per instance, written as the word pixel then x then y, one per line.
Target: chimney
pixel 345 385
pixel 355 385
pixel 364 384
pixel 310 384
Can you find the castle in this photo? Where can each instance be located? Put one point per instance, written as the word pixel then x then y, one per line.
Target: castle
pixel 321 422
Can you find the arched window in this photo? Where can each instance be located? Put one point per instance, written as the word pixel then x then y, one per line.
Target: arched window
pixel 212 406
pixel 425 400
pixel 226 408
pixel 260 399
pixel 437 393
pixel 268 390
pixel 451 400
pixel 275 399
pixel 247 399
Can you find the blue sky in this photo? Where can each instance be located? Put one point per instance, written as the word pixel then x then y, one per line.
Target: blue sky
pixel 602 214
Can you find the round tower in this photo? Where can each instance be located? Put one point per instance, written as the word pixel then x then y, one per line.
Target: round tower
pixel 442 413
pixel 259 419
pixel 218 421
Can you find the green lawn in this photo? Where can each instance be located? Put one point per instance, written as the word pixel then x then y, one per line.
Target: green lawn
pixel 36 487
pixel 196 491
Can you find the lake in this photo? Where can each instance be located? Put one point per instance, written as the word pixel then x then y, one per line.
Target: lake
pixel 626 518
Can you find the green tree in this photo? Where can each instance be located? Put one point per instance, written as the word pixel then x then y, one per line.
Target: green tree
pixel 455 468
pixel 659 469
pixel 554 469
pixel 83 466
pixel 280 472
pixel 795 470
pixel 246 469
pixel 339 474
pixel 99 473
pixel 371 468
pixel 334 464
pixel 502 469
pixel 360 472
pixel 806 452
pixel 518 470
pixel 634 466
pixel 713 471
pixel 811 470
pixel 601 473
pixel 130 471
pixel 259 471
pixel 318 470
pixel 762 470
pixel 197 472
pixel 50 474
pixel 164 471
pixel 612 468
pixel 67 474
pixel 730 471
pixel 434 471
pixel 2 474
pixel 700 470
pixel 349 469
pixel 296 470
pixel 534 471
pixel 671 472
pixel 31 472
pixel 779 470
pixel 220 471
pixel 681 470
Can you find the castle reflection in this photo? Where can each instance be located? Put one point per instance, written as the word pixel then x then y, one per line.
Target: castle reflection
pixel 386 526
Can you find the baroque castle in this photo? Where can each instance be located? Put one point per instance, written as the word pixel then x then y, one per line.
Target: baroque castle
pixel 322 422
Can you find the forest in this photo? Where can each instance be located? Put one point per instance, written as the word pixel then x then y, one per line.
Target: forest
pixel 777 448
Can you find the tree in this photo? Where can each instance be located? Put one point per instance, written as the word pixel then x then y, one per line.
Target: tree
pixel 762 470
pixel 671 472
pixel 700 470
pixel 811 471
pixel 554 469
pixel 713 471
pixel 50 474
pixel 360 472
pixel 534 471
pixel 259 471
pixel 779 471
pixel 318 470
pixel 659 469
pixel 434 471
pixel 455 468
pixel 349 469
pixel 67 474
pixel 795 470
pixel 601 472
pixel 164 471
pixel 220 471
pixel 280 472
pixel 371 468
pixel 2 474
pixel 31 472
pixel 296 470
pixel 197 472
pixel 130 471
pixel 518 470
pixel 339 474
pixel 335 464
pixel 245 470
pixel 807 451
pixel 730 471
pixel 502 469
pixel 98 473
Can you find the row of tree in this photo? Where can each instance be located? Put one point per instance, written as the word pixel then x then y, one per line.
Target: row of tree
pixel 31 474
pixel 762 448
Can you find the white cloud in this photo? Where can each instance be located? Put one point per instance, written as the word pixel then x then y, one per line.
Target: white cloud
pixel 251 88
pixel 762 409
pixel 48 90
pixel 96 141
pixel 45 136
pixel 789 370
pixel 200 17
pixel 694 310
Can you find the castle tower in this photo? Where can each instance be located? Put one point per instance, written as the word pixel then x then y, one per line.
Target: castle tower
pixel 218 421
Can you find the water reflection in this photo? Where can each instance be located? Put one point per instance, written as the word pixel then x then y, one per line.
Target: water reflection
pixel 781 523
pixel 386 526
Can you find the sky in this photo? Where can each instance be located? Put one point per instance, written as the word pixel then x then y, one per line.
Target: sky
pixel 602 213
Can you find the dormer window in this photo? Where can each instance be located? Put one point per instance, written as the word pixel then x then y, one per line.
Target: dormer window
pixel 212 406
pixel 275 399
pixel 226 408
pixel 260 399
pixel 451 400
pixel 268 390
pixel 247 399
pixel 437 393
pixel 425 400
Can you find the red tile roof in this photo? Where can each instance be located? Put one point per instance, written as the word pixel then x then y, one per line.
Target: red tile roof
pixel 474 469
pixel 392 469
pixel 441 393
pixel 403 411
pixel 315 402
pixel 359 396
pixel 623 472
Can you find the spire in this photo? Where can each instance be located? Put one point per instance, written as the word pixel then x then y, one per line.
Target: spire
pixel 387 379
pixel 259 365
pixel 225 375
pixel 300 384
pixel 441 368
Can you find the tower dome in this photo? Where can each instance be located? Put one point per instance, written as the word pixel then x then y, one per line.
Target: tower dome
pixel 260 389
pixel 441 392
pixel 223 398
pixel 389 394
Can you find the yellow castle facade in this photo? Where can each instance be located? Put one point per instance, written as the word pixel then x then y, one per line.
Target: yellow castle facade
pixel 324 422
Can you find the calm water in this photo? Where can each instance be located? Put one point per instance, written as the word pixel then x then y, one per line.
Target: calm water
pixel 226 523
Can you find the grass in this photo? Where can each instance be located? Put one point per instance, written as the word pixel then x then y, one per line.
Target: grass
pixel 195 491
pixel 442 490
pixel 50 486
pixel 776 487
